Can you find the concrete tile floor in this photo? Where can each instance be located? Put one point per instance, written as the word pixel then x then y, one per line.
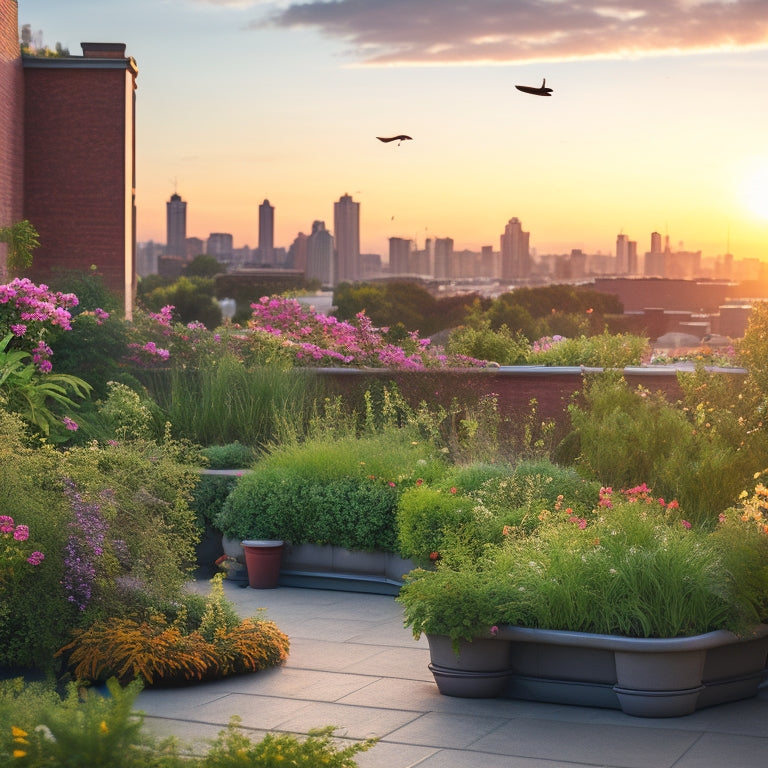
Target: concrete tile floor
pixel 355 666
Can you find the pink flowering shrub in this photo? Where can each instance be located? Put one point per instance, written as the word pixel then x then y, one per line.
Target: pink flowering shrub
pixel 157 341
pixel 15 551
pixel 316 339
pixel 28 311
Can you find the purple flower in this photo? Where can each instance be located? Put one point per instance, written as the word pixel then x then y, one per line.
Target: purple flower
pixel 69 424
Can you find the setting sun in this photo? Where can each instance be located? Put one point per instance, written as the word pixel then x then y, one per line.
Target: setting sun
pixel 755 190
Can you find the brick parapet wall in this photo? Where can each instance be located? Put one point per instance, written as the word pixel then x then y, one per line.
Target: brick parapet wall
pixel 516 388
pixel 11 122
pixel 75 170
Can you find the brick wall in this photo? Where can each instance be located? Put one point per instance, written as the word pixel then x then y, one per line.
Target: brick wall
pixel 11 126
pixel 74 169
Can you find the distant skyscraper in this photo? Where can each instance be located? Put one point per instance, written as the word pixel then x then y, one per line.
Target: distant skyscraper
pixel 320 255
pixel 622 254
pixel 444 258
pixel 346 227
pixel 655 259
pixel 297 253
pixel 266 233
pixel 176 227
pixel 400 255
pixel 220 246
pixel 632 266
pixel 515 252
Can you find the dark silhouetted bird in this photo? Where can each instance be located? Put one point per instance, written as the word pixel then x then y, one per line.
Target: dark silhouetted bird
pixel 543 91
pixel 398 139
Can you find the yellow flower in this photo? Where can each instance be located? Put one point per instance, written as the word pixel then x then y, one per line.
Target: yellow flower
pixel 19 753
pixel 103 727
pixel 18 732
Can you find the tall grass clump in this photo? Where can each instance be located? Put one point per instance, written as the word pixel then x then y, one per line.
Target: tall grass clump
pixel 229 401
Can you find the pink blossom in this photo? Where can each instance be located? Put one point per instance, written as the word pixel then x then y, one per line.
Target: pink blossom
pixel 21 533
pixel 35 558
pixel 71 425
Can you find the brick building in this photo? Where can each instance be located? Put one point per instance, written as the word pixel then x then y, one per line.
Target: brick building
pixel 67 149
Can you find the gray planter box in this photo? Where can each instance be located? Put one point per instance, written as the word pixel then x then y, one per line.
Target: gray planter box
pixel 644 677
pixel 332 567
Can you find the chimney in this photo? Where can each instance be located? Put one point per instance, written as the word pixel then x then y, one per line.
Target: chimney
pixel 103 50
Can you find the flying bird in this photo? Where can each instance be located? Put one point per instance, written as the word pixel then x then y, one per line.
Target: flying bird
pixel 398 139
pixel 543 91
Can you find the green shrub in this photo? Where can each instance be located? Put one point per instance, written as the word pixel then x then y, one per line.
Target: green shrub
pixel 472 506
pixel 483 343
pixel 328 492
pixel 632 566
pixel 209 496
pixel 701 452
pixel 114 525
pixel 233 455
pixel 603 351
pixel 423 516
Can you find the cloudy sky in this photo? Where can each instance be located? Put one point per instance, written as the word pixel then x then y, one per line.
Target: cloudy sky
pixel 658 120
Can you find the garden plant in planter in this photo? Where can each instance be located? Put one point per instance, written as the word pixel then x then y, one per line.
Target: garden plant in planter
pixel 627 605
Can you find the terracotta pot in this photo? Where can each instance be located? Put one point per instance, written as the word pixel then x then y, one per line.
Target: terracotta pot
pixel 262 560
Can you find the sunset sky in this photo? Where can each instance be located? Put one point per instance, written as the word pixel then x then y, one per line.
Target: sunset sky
pixel 658 120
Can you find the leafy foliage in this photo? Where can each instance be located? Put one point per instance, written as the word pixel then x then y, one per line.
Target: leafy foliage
pixel 700 452
pixel 86 728
pixel 632 566
pixel 21 239
pixel 340 492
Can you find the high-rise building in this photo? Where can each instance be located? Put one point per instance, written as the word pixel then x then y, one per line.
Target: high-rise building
pixel 346 226
pixel 655 259
pixel 515 251
pixel 400 255
pixel 266 233
pixel 297 253
pixel 444 266
pixel 320 255
pixel 176 226
pixel 220 246
pixel 622 254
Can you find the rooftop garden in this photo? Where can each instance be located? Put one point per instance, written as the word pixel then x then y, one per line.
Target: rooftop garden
pixel 106 424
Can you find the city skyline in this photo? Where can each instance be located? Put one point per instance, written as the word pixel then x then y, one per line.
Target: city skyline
pixel 655 124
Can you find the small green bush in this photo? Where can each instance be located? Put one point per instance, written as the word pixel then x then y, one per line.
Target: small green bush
pixel 473 505
pixel 233 455
pixel 603 351
pixel 424 514
pixel 340 492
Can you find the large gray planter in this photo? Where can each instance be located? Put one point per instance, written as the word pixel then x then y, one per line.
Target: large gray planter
pixel 644 677
pixel 331 567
